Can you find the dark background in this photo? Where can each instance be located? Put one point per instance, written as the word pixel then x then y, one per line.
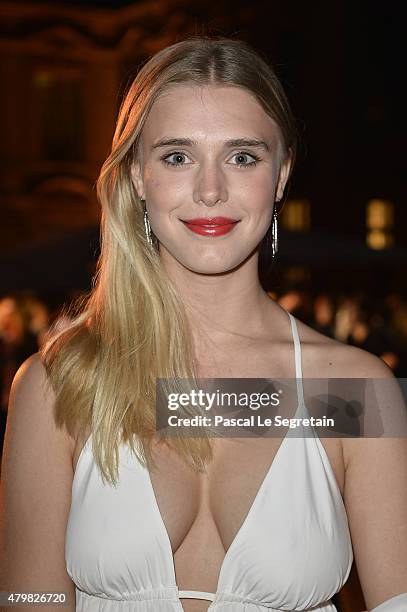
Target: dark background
pixel 341 64
pixel 64 67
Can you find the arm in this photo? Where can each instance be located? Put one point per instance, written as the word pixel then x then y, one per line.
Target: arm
pixel 375 497
pixel 35 492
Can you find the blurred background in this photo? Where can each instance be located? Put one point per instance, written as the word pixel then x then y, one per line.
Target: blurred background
pixel 342 258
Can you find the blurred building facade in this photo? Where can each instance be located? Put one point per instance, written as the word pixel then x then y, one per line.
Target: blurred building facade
pixel 61 68
pixel 64 67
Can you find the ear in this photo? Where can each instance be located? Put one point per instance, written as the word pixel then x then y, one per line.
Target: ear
pixel 137 178
pixel 283 176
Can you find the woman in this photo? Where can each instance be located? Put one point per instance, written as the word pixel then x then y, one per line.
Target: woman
pixel 203 150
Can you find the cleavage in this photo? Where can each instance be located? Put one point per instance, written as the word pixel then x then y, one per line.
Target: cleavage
pixel 221 499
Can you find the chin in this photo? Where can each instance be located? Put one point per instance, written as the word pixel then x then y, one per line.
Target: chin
pixel 211 267
pixel 203 260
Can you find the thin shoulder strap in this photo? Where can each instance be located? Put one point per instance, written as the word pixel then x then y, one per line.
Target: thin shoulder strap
pixel 297 355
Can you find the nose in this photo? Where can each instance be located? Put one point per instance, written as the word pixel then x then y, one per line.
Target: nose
pixel 210 185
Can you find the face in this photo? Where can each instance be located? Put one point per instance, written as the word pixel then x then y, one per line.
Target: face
pixel 208 152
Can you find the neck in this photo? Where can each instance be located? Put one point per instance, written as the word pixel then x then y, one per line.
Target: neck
pixel 228 306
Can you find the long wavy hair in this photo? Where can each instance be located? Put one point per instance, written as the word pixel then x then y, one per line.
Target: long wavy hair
pixel 131 328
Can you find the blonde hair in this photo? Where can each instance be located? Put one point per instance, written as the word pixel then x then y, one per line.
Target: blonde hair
pixel 131 328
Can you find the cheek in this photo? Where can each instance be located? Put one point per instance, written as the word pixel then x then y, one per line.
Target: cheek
pixel 153 185
pixel 161 199
pixel 163 186
pixel 260 197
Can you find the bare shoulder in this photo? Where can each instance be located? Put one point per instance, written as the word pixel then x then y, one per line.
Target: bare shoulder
pixel 35 487
pixel 31 423
pixel 31 377
pixel 31 398
pixel 328 357
pixel 31 405
pixel 325 357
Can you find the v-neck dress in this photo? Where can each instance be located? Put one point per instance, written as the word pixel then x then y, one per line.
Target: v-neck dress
pixel 293 551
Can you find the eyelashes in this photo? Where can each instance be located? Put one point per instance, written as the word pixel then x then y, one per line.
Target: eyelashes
pixel 255 158
pixel 166 159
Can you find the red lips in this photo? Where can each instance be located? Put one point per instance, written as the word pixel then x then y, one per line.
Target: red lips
pixel 213 226
pixel 211 221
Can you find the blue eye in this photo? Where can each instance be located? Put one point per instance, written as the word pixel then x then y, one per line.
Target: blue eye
pixel 178 159
pixel 242 156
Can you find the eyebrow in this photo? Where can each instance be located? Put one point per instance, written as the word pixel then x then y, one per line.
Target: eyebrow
pixel 232 143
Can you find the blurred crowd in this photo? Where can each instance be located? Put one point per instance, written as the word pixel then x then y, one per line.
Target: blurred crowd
pixel 25 322
pixel 378 326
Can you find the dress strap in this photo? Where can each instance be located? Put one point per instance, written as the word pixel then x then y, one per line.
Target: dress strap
pixel 297 355
pixel 197 595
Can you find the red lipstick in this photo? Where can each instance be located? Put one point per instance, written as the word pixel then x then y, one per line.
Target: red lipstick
pixel 213 226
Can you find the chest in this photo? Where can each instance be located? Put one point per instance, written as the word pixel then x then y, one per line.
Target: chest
pixel 220 499
pixel 209 522
pixel 214 531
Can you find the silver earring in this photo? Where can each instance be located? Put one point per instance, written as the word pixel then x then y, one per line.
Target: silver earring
pixel 274 233
pixel 147 226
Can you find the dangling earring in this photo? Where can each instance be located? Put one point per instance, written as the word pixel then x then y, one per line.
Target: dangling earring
pixel 147 226
pixel 274 233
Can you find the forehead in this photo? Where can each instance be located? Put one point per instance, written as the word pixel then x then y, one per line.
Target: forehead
pixel 208 112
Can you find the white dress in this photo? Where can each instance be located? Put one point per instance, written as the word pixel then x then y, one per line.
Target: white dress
pixel 292 552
